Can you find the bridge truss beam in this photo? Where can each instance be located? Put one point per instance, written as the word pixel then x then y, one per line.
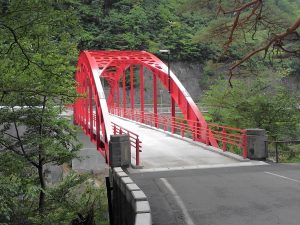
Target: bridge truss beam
pixel 118 70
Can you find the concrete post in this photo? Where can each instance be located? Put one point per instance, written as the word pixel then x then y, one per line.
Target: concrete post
pixel 256 146
pixel 119 151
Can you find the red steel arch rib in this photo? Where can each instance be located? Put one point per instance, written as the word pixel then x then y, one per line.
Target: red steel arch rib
pixel 92 103
pixel 111 66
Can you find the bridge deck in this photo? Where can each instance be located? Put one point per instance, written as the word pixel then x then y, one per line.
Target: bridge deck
pixel 162 150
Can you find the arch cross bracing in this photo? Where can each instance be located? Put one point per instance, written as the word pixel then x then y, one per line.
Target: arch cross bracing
pixel 91 110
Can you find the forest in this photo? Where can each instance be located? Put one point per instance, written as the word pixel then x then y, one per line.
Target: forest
pixel 248 50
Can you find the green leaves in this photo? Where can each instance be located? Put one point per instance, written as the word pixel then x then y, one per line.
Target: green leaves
pixel 145 25
pixel 258 103
pixel 38 49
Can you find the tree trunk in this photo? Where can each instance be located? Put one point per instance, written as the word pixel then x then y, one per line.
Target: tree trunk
pixel 40 168
pixel 43 188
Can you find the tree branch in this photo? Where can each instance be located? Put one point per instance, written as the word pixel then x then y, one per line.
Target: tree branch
pixel 277 39
pixel 238 22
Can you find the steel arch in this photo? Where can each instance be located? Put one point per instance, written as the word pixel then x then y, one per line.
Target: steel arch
pixel 111 66
pixel 90 109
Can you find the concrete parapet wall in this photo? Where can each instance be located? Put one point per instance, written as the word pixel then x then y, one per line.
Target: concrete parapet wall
pixel 129 203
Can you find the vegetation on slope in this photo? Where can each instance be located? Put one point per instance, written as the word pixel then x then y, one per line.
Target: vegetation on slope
pixel 39 43
pixel 38 49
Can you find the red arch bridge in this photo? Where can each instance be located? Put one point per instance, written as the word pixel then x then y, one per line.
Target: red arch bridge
pixel 123 70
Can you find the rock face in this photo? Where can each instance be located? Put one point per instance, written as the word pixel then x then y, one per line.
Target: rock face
pixel 293 83
pixel 189 74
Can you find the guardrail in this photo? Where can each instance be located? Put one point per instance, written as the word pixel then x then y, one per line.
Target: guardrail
pixel 129 204
pixel 229 138
pixel 284 151
pixel 134 140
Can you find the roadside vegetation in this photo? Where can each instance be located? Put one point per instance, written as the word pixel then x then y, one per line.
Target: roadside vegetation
pixel 39 45
pixel 38 48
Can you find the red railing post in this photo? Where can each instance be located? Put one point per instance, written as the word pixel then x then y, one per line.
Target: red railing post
pixel 118 97
pixel 115 130
pixel 224 141
pixel 97 129
pixel 155 99
pixel 137 151
pixel 132 90
pixel 91 112
pixel 136 116
pixel 124 93
pixel 86 109
pixel 142 93
pixel 193 131
pixel 244 144
pixel 206 135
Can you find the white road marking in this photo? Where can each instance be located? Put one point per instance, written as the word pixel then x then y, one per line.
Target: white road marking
pixel 221 165
pixel 287 178
pixel 179 202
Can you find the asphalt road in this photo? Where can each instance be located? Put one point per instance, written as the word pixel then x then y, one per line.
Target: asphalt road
pixel 260 195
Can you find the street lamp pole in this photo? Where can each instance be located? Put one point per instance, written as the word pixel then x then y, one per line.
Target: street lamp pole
pixel 169 89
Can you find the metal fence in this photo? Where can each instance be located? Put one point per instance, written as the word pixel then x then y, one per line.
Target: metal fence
pixel 228 138
pixel 284 151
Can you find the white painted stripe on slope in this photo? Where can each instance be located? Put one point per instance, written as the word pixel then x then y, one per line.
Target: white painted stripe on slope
pixel 179 202
pixel 287 178
pixel 221 165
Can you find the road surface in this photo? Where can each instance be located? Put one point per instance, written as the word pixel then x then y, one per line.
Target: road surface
pixel 261 195
pixel 164 151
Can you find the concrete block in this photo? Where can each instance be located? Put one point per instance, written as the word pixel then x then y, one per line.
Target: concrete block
pixel 256 147
pixel 142 207
pixel 132 187
pixel 136 196
pixel 139 195
pixel 118 176
pixel 122 174
pixel 119 138
pixel 256 131
pixel 117 169
pixel 126 180
pixel 119 151
pixel 129 188
pixel 143 219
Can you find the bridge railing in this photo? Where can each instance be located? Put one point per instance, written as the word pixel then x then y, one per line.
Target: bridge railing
pixel 229 138
pixel 134 138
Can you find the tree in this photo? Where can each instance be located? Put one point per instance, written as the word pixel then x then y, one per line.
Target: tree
pixel 260 103
pixel 38 48
pixel 252 12
pixel 261 25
